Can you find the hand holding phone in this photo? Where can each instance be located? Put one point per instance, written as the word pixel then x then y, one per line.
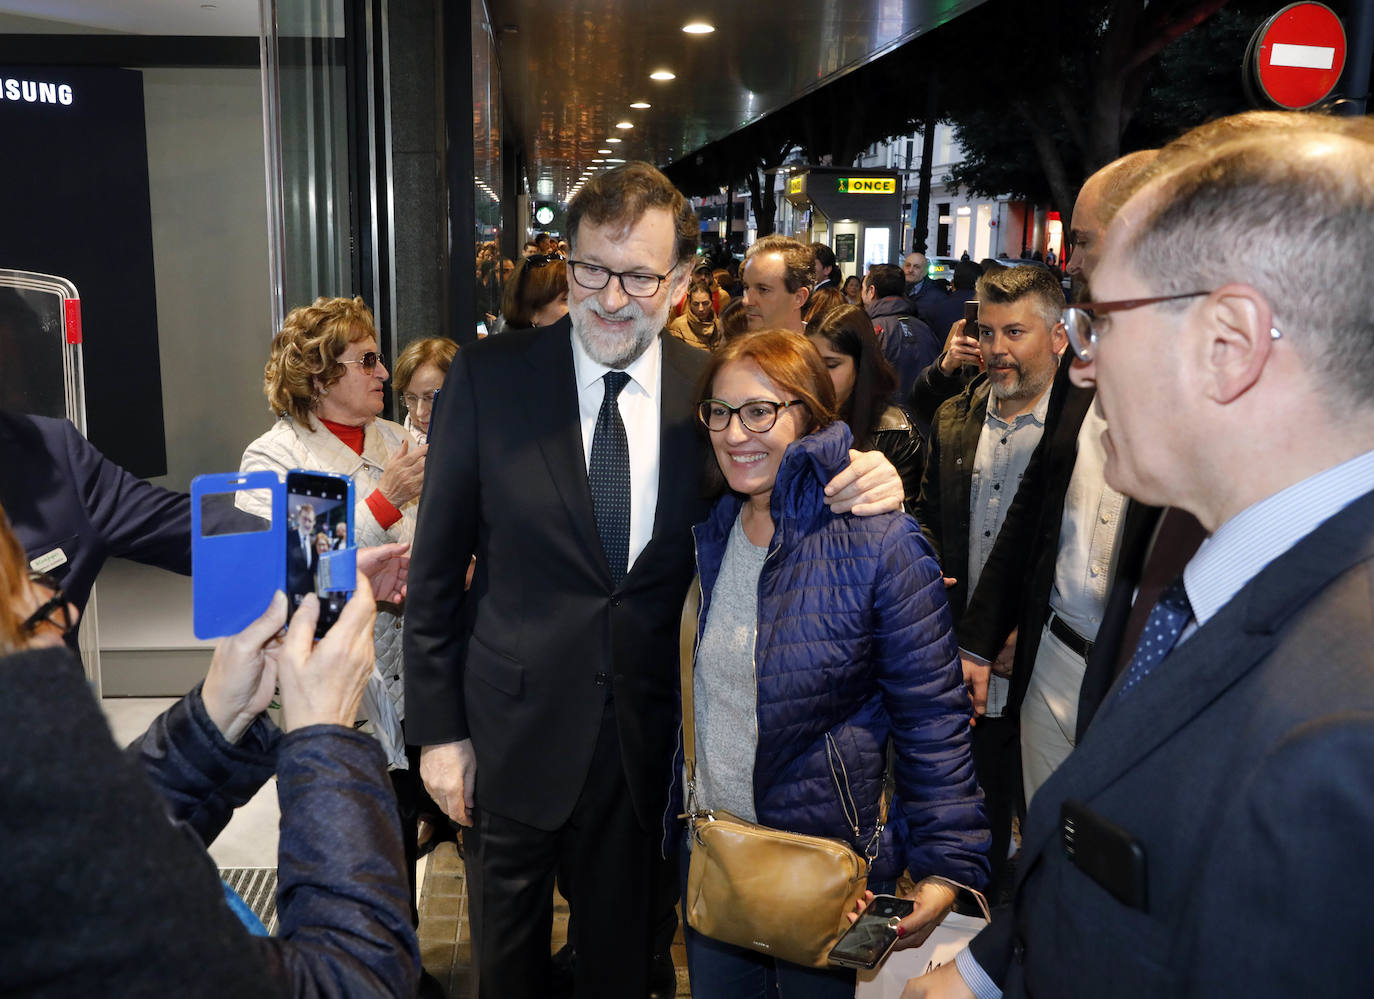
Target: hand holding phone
pixel 871 937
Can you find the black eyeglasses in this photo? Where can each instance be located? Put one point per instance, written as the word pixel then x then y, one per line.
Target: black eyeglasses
pixel 369 361
pixel 55 611
pixel 756 415
pixel 636 284
pixel 1080 321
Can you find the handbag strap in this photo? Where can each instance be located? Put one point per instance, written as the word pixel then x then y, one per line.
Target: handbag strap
pixel 687 640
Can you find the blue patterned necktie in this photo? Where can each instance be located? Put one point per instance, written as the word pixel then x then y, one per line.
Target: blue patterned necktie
pixel 1162 628
pixel 609 477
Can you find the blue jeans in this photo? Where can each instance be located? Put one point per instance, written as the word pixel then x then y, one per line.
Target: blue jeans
pixel 723 971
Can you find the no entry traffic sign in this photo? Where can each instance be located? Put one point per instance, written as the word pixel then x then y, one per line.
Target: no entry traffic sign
pixel 1296 57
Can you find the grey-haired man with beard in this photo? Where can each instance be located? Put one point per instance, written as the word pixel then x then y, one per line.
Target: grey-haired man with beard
pixel 568 461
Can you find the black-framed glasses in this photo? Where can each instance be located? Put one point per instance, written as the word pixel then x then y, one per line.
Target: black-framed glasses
pixel 1080 321
pixel 414 401
pixel 636 284
pixel 756 415
pixel 369 361
pixel 56 610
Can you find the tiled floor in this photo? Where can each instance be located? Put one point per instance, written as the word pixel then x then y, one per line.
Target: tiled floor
pixel 444 946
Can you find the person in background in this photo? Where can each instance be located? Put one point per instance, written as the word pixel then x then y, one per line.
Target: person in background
pixel 824 273
pixel 724 282
pixel 949 310
pixel 697 326
pixel 88 821
pixel 864 382
pixel 823 637
pixel 419 375
pixel 908 343
pixel 853 290
pixel 732 321
pixel 822 301
pixel 324 378
pixel 702 275
pixel 537 293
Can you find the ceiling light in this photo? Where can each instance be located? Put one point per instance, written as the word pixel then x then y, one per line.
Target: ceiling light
pixel 603 150
pixel 613 160
pixel 614 139
pixel 698 28
pixel 641 105
pixel 624 124
pixel 662 74
pixel 598 161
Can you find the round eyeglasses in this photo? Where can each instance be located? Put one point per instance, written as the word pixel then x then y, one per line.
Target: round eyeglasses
pixel 369 361
pixel 756 415
pixel 414 401
pixel 1080 321
pixel 636 284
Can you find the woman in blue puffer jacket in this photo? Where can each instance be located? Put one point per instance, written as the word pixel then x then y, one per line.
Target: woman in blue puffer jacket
pixel 821 637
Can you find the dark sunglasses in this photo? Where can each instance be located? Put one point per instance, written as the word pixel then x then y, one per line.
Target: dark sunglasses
pixel 369 361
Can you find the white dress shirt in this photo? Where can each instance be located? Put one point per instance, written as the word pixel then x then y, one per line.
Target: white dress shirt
pixel 639 401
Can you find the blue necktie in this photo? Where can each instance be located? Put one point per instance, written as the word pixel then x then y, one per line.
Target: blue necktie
pixel 1162 628
pixel 609 477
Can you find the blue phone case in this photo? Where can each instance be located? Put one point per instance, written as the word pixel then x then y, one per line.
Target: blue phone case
pixel 234 575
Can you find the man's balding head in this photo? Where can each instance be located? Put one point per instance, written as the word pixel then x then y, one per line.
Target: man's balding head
pixel 1098 200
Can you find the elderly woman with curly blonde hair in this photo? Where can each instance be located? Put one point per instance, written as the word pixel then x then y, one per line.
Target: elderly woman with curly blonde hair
pixel 324 381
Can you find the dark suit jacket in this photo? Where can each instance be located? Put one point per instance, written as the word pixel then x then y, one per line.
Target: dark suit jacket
pixel 62 493
pixel 924 298
pixel 522 662
pixel 1241 767
pixel 300 565
pixel 943 507
pixel 1014 589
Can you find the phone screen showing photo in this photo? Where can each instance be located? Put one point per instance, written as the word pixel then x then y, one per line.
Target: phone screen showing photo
pixel 317 522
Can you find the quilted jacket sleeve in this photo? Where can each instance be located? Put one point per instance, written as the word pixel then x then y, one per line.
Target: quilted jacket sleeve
pixel 937 797
pixel 200 775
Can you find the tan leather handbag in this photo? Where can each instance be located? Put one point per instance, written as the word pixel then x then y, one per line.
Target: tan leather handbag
pixel 775 892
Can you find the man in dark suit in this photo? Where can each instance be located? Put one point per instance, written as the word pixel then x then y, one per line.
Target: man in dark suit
pixel 301 557
pixel 1209 835
pixel 924 293
pixel 568 459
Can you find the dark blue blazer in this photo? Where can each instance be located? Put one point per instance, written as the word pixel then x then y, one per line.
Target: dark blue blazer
pixel 1241 767
pixel 61 494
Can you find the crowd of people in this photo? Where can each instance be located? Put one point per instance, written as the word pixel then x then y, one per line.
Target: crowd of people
pixel 1068 604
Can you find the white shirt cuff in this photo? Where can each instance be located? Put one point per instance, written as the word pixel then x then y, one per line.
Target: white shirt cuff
pixel 975 977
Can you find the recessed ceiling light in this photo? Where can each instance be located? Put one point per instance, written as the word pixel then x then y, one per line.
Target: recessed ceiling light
pixel 641 105
pixel 614 139
pixel 613 160
pixel 624 124
pixel 662 74
pixel 698 28
pixel 598 161
pixel 603 150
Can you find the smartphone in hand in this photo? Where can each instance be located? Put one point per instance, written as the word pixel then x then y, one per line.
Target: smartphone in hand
pixel 867 942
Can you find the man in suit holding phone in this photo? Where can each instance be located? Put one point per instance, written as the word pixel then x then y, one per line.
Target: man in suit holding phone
pixel 568 460
pixel 1208 836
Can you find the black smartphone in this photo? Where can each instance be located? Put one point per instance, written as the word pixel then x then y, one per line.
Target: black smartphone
pixel 868 940
pixel 970 371
pixel 319 515
pixel 1105 852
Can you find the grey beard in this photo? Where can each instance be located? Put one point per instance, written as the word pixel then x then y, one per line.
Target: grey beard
pixel 612 351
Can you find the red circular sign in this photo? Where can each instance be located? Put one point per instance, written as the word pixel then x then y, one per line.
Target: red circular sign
pixel 1300 55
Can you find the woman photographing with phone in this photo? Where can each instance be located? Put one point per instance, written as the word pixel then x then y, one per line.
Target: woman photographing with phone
pixel 820 639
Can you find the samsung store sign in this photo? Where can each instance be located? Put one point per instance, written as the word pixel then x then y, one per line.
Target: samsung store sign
pixel 35 92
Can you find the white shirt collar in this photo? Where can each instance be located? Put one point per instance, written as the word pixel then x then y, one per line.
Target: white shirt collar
pixel 643 370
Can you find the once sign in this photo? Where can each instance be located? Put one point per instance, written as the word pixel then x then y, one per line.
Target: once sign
pixel 867 185
pixel 1298 54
